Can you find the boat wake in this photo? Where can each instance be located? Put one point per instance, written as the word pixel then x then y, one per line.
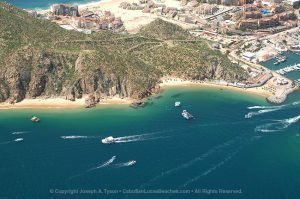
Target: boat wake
pixel 272 107
pixel 267 109
pixel 104 164
pixel 125 164
pixel 7 142
pixel 251 114
pixel 202 157
pixel 19 132
pixel 277 125
pixel 15 140
pixel 77 137
pixel 213 168
pixel 136 138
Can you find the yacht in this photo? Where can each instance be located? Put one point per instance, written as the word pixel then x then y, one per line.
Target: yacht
pixel 131 163
pixel 186 115
pixel 177 104
pixel 18 140
pixel 108 140
pixel 35 119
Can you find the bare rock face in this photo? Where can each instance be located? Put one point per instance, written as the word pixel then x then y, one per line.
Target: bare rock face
pixel 30 74
pixel 90 101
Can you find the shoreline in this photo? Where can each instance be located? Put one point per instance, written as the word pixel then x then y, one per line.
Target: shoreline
pixel 61 103
pixel 177 82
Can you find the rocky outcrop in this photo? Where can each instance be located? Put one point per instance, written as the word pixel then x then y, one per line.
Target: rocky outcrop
pixel 39 58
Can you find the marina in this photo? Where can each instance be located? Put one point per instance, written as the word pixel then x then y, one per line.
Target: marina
pixel 289 68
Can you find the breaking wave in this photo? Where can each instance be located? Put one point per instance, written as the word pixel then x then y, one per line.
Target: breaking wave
pixel 277 125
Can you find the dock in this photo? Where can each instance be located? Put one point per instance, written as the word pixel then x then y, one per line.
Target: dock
pixel 288 69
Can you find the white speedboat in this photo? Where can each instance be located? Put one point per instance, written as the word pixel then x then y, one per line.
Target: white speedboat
pixel 35 119
pixel 131 163
pixel 108 140
pixel 186 115
pixel 18 139
pixel 177 104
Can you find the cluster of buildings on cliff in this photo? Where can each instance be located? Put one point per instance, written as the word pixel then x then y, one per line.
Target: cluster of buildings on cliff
pixel 224 15
pixel 259 16
pixel 69 17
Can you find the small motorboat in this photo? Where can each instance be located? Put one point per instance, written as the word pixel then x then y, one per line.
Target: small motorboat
pixel 108 140
pixel 18 139
pixel 177 104
pixel 131 163
pixel 35 119
pixel 186 115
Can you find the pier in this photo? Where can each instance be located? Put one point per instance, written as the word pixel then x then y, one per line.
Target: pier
pixel 288 69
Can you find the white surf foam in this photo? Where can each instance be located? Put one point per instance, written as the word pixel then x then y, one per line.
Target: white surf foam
pixel 278 125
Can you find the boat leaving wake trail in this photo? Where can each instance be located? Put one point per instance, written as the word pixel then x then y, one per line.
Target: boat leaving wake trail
pixel 267 109
pixel 277 125
pixel 272 107
pixel 15 140
pixel 77 137
pixel 19 132
pixel 251 114
pixel 135 138
pixel 104 164
pixel 125 164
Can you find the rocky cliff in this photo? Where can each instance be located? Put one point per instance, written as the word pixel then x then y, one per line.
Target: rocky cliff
pixel 38 58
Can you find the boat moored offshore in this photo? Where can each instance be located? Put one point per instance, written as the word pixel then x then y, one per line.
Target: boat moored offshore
pixel 186 115
pixel 35 119
pixel 177 104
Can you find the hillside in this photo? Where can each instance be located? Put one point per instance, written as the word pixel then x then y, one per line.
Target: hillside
pixel 163 30
pixel 38 58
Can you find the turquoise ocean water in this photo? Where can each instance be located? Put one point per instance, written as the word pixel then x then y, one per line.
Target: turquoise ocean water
pixel 44 4
pixel 259 157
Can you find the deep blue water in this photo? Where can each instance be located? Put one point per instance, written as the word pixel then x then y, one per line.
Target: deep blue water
pixel 219 149
pixel 42 4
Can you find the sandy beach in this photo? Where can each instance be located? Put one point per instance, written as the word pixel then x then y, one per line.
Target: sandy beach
pixel 173 82
pixel 61 103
